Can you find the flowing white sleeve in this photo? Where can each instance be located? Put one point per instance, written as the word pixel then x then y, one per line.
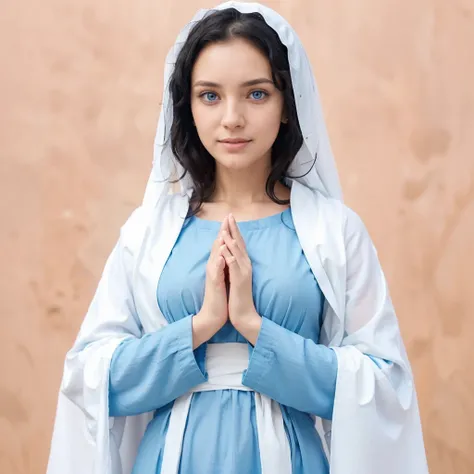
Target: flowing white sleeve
pixel 376 424
pixel 85 438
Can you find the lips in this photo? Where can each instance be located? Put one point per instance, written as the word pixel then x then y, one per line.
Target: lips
pixel 234 140
pixel 234 145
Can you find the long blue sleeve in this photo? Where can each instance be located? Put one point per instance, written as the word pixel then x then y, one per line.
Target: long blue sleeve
pixel 150 372
pixel 293 370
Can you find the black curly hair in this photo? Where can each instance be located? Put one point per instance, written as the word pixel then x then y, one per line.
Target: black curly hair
pixel 220 26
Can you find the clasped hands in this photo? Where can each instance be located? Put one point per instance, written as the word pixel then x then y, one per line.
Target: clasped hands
pixel 228 290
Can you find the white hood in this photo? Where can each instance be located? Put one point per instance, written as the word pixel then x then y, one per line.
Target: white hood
pixel 322 177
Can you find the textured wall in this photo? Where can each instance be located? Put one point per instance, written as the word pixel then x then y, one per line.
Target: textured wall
pixel 79 93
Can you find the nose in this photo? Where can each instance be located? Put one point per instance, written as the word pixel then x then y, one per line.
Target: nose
pixel 233 115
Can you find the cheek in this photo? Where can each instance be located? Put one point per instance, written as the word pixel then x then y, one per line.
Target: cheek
pixel 205 122
pixel 267 123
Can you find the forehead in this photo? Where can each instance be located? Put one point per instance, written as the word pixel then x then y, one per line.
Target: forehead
pixel 233 61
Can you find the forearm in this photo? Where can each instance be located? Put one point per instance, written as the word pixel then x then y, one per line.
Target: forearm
pixel 150 372
pixel 293 370
pixel 249 327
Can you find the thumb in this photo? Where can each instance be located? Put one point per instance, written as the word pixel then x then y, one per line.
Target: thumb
pixel 220 267
pixel 220 263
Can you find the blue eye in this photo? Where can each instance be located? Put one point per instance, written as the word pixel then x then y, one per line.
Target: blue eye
pixel 210 96
pixel 258 95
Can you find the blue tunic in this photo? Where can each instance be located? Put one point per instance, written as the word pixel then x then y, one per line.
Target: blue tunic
pixel 287 363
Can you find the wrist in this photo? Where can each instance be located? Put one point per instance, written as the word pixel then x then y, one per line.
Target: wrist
pixel 208 319
pixel 249 326
pixel 204 327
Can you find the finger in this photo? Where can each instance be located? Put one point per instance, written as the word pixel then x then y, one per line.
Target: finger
pixel 219 240
pixel 225 225
pixel 215 246
pixel 220 264
pixel 235 232
pixel 230 259
pixel 217 261
pixel 217 273
pixel 234 249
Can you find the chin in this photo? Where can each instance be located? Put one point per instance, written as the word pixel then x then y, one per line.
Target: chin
pixel 236 162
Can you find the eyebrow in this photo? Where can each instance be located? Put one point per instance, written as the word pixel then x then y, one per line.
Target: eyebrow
pixel 253 82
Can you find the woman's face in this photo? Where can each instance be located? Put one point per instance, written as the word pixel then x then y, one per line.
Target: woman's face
pixel 233 99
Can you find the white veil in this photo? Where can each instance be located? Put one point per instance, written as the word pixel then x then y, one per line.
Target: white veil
pixel 322 176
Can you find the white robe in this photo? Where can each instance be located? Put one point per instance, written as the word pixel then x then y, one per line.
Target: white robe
pixel 375 427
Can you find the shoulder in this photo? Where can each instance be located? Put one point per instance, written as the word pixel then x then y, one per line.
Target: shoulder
pixel 334 208
pixel 136 223
pixel 134 229
pixel 349 244
pixel 341 218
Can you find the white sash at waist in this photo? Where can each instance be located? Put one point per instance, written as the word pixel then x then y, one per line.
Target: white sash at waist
pixel 225 364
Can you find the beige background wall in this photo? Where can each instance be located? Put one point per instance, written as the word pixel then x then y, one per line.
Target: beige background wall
pixel 80 86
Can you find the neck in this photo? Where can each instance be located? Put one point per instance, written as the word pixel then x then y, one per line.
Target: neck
pixel 239 188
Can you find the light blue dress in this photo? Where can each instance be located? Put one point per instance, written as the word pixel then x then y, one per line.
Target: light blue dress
pixel 287 363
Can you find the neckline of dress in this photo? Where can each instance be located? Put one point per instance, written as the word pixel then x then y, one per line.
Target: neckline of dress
pixel 261 223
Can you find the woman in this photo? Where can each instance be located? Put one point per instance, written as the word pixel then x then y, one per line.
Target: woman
pixel 245 321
